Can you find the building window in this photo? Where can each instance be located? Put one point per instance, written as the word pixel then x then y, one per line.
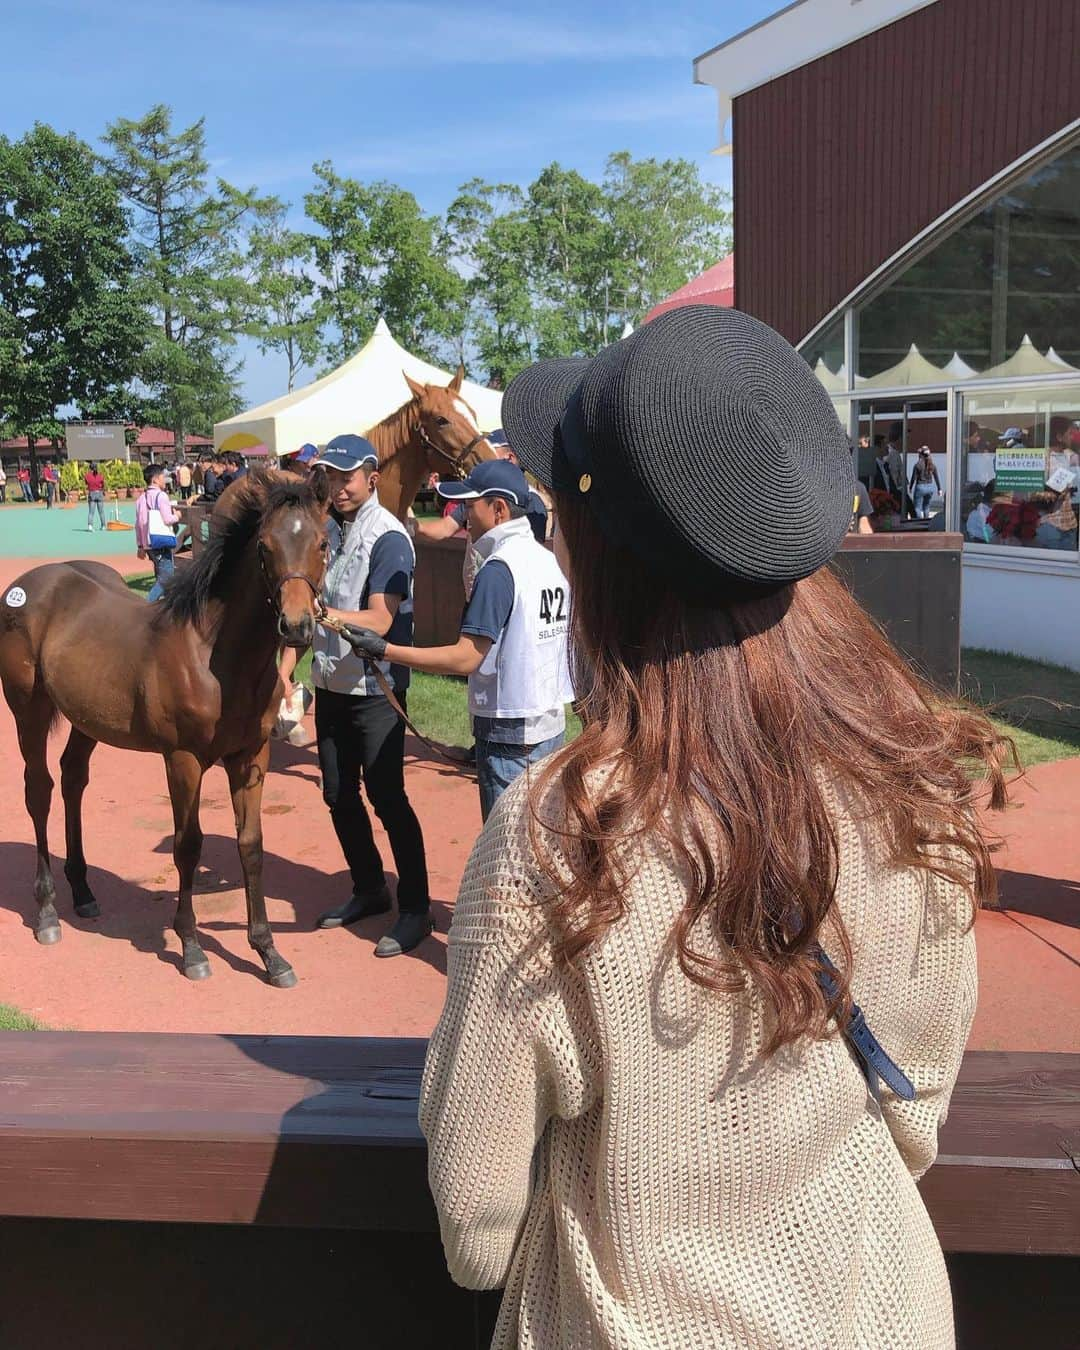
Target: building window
pixel 1020 468
pixel 998 298
pixel 825 357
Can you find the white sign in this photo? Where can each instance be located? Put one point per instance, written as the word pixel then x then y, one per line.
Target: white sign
pixel 1061 479
pixel 16 597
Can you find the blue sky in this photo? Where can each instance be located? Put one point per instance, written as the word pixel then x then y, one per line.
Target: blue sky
pixel 425 95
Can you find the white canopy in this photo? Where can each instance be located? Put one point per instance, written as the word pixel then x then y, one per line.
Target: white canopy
pixel 1026 360
pixel 913 369
pixel 1052 355
pixel 958 368
pixel 356 396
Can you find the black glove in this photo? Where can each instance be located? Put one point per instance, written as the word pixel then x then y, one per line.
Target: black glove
pixel 364 641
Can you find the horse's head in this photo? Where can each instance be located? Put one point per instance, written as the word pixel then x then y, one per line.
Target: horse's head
pixel 446 427
pixel 293 550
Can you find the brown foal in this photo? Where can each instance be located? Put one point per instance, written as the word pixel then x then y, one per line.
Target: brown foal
pixel 193 678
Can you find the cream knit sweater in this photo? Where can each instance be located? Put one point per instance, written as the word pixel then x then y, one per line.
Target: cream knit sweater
pixel 608 1143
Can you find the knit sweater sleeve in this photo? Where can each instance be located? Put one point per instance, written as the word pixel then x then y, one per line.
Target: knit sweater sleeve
pixel 514 1047
pixel 939 1008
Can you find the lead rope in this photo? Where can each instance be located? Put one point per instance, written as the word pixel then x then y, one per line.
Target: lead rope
pixel 386 688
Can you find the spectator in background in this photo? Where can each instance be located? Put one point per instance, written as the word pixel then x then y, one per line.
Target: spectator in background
pixel 299 461
pixel 95 496
pixel 3 483
pixel 536 511
pixel 183 480
pixel 154 519
pixel 977 526
pixel 235 467
pixel 881 465
pixel 51 479
pixel 894 460
pixel 924 483
pixel 214 478
pixel 862 511
pixel 25 486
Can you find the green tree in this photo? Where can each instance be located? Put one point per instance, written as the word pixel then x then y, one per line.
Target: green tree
pixel 191 248
pixel 378 253
pixel 488 236
pixel 666 226
pixel 72 322
pixel 284 321
pixel 570 247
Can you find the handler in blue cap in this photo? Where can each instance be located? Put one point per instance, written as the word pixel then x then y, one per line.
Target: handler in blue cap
pixel 360 735
pixel 513 632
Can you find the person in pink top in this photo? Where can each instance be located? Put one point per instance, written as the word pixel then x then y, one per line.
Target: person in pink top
pixel 154 500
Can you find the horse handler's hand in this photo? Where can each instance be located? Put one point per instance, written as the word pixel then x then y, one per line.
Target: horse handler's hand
pixel 364 641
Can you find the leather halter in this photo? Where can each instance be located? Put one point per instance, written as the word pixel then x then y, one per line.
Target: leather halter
pixel 273 593
pixel 455 461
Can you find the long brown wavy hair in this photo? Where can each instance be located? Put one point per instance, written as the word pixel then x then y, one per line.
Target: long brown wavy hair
pixel 716 728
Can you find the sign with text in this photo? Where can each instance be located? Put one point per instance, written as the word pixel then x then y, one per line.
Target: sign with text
pixel 104 441
pixel 1020 470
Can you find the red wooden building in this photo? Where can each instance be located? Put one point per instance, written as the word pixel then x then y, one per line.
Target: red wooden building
pixel 907 212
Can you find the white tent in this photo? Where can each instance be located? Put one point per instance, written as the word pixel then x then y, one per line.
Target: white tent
pixel 958 368
pixel 1052 355
pixel 834 381
pixel 356 396
pixel 1026 360
pixel 912 370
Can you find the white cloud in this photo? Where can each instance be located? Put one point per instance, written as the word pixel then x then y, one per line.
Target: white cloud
pixel 248 33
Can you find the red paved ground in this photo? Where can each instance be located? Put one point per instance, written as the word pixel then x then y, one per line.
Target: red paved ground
pixel 121 972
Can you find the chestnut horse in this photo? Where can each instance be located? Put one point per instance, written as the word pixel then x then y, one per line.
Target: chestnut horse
pixel 193 678
pixel 435 432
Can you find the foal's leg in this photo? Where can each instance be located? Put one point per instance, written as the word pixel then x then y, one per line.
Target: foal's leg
pixel 74 776
pixel 33 722
pixel 185 775
pixel 246 774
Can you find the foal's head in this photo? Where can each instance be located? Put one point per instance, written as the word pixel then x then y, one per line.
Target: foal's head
pixel 446 424
pixel 293 551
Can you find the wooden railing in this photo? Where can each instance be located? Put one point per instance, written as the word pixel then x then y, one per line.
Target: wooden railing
pixel 213 1140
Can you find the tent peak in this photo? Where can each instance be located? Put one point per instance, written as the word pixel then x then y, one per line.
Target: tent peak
pixel 382 328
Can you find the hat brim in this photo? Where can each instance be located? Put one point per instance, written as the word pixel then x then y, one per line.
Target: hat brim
pixel 532 409
pixel 456 491
pixel 345 468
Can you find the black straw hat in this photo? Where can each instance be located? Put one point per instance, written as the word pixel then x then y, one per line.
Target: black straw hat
pixel 703 442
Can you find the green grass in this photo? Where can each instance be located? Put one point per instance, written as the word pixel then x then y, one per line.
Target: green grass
pixel 1037 704
pixel 13 1020
pixel 437 705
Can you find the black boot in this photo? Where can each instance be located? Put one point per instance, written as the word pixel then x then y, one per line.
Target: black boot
pixel 409 931
pixel 358 906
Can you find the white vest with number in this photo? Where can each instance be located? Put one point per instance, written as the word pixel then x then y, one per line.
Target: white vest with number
pixel 334 664
pixel 525 672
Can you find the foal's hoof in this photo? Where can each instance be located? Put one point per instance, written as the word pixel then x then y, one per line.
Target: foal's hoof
pixel 89 909
pixel 198 970
pixel 284 979
pixel 47 936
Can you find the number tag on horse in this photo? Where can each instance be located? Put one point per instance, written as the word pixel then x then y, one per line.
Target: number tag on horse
pixel 16 597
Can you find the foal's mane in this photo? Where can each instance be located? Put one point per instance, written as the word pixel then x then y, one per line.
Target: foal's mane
pixel 236 521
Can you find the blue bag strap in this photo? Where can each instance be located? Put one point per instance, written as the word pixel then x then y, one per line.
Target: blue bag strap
pixel 873 1060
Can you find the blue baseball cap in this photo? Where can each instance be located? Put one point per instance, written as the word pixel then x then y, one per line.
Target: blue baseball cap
pixel 348 452
pixel 305 454
pixel 491 478
pixel 497 439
